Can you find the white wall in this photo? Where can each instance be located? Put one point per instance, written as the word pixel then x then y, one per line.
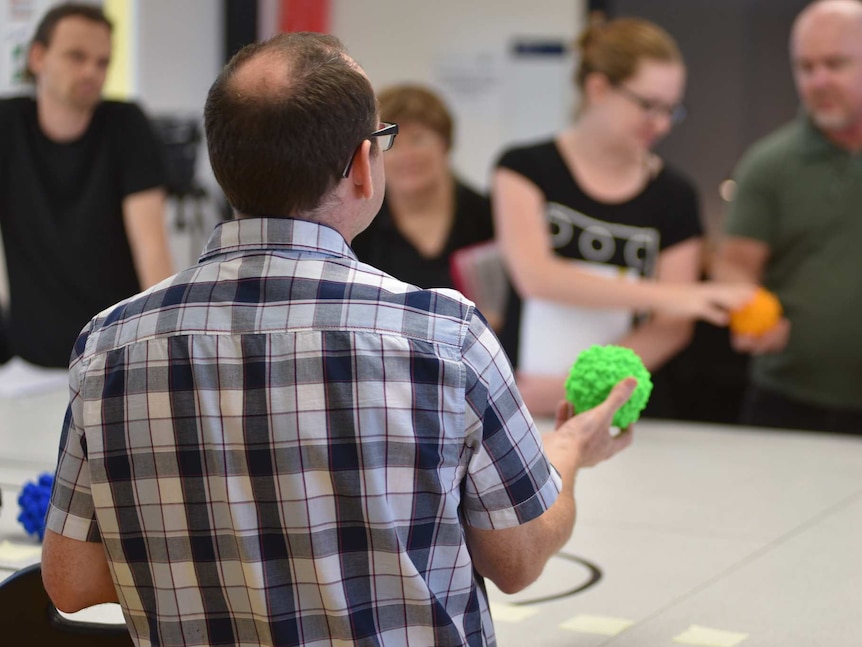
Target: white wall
pixel 179 54
pixel 420 41
pixel 439 43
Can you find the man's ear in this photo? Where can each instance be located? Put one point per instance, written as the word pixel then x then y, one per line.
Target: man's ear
pixel 35 57
pixel 361 175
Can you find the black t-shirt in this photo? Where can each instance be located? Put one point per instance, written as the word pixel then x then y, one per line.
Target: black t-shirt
pixel 628 234
pixel 61 216
pixel 383 246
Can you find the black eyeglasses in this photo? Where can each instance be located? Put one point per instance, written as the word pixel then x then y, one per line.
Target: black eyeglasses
pixel 652 107
pixel 386 136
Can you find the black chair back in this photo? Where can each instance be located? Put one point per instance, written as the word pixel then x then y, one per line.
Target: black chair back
pixel 27 617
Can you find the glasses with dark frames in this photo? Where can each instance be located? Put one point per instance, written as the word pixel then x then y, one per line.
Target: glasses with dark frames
pixel 385 138
pixel 652 107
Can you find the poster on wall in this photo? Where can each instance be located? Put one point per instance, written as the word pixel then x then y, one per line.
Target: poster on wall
pixel 21 10
pixel 539 99
pixel 18 19
pixel 471 83
pixel 14 53
pixel 515 94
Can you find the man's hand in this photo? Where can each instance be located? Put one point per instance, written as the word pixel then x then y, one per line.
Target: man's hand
pixel 513 558
pixel 585 439
pixel 772 341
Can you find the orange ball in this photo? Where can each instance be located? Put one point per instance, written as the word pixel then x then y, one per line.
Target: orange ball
pixel 758 316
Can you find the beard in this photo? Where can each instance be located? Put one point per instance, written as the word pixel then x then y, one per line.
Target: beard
pixel 830 120
pixel 829 110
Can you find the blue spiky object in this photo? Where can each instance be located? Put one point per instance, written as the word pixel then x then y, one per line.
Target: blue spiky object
pixel 33 502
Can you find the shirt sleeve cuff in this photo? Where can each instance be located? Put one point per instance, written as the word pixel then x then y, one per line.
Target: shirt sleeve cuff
pixel 521 513
pixel 71 526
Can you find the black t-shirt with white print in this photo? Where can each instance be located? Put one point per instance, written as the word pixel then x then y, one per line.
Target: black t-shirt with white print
pixel 629 235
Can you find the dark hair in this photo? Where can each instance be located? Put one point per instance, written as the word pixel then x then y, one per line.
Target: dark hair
pixel 277 148
pixel 45 29
pixel 615 48
pixel 417 104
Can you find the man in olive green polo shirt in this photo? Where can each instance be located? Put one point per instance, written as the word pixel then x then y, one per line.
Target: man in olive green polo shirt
pixel 795 226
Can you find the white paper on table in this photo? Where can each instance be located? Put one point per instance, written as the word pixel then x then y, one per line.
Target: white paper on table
pixel 14 555
pixel 553 334
pixel 21 378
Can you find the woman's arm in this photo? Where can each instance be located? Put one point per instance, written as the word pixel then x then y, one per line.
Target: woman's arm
pixel 662 336
pixel 538 273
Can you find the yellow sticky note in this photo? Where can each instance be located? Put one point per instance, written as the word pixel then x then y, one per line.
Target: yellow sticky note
pixel 706 637
pixel 511 613
pixel 602 625
pixel 14 553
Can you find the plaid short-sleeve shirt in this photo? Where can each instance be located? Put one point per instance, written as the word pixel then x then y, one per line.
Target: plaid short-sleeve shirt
pixel 279 446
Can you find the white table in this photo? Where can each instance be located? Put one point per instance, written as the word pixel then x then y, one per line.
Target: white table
pixel 745 531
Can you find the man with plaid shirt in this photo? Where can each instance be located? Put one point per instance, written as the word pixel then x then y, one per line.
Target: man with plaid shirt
pixel 284 446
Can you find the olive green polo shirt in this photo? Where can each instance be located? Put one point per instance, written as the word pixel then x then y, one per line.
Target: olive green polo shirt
pixel 802 195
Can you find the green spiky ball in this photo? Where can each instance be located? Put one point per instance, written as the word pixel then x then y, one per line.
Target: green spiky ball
pixel 597 370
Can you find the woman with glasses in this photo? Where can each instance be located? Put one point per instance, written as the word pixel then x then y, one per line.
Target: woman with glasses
pixel 601 238
pixel 428 213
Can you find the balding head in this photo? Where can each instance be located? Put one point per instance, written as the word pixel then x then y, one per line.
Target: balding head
pixel 283 119
pixel 840 10
pixel 826 51
pixel 262 76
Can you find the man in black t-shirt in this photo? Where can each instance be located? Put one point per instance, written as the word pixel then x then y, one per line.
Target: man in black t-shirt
pixel 81 190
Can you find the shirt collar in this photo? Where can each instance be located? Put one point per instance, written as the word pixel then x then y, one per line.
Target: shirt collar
pixel 271 234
